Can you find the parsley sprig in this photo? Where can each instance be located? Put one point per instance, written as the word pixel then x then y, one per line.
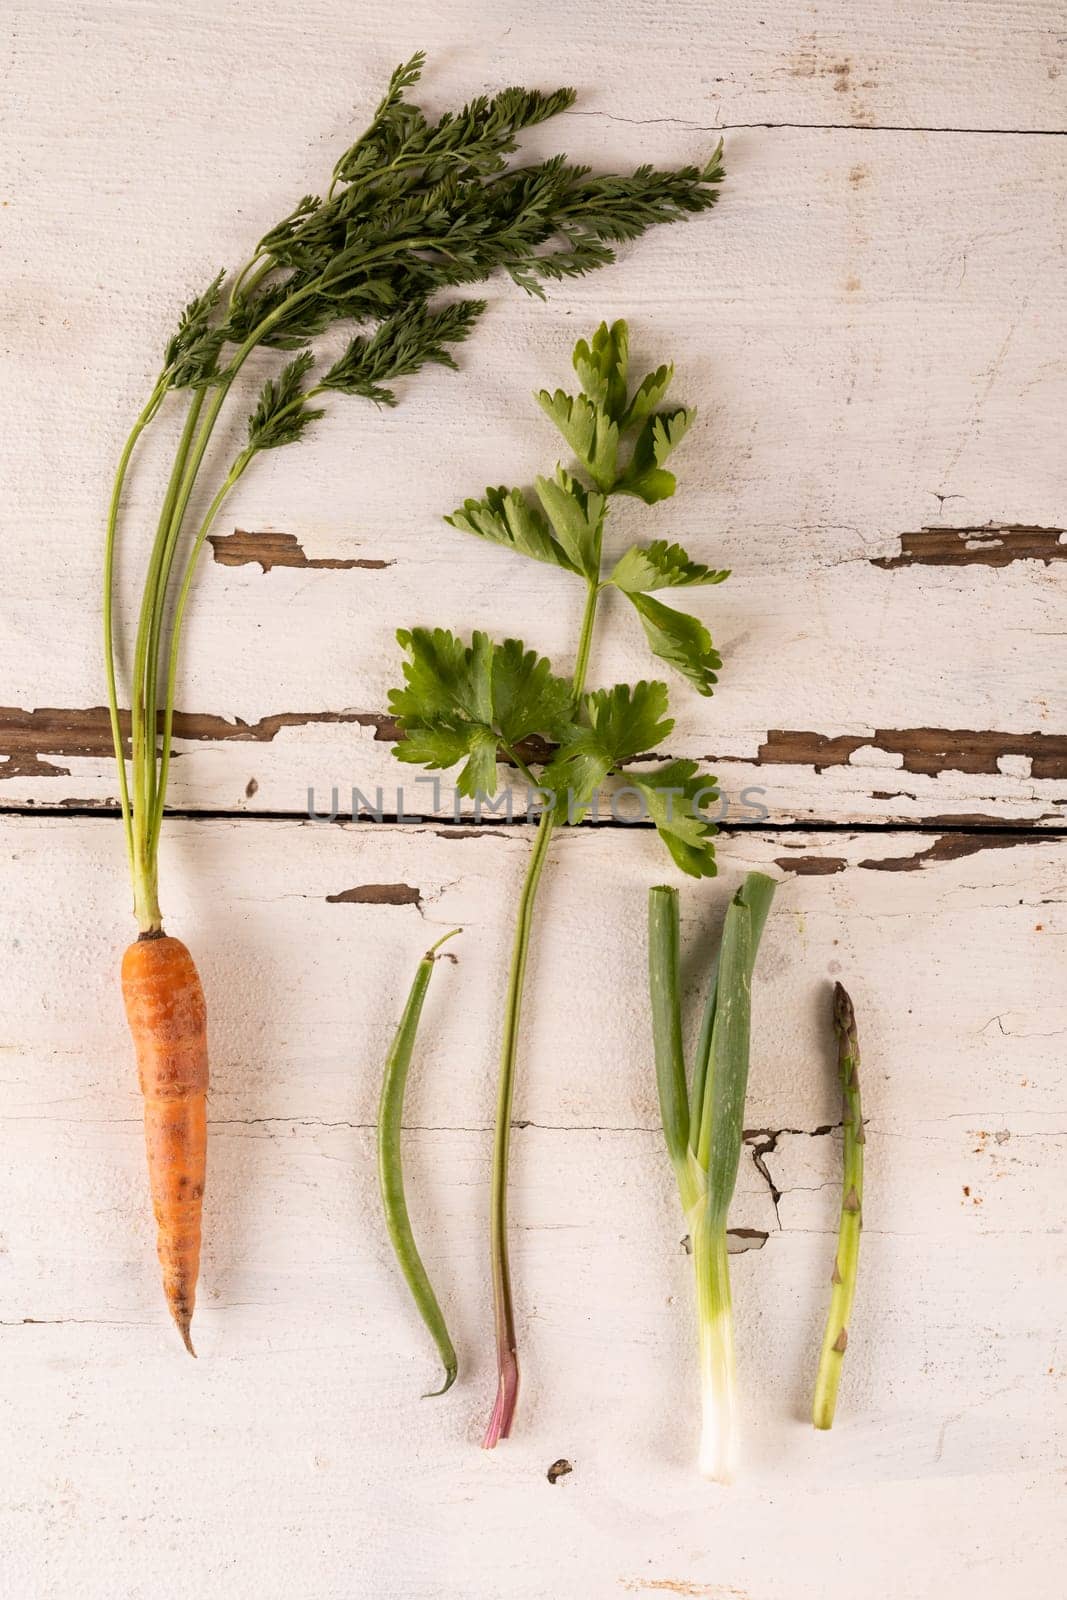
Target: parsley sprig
pixel 414 207
pixel 485 703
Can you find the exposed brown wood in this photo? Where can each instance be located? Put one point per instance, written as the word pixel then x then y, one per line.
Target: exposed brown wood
pixel 738 1240
pixel 811 866
pixel 467 833
pixel 244 548
pixel 927 750
pixel 377 894
pixel 950 847
pixel 997 544
pixel 28 736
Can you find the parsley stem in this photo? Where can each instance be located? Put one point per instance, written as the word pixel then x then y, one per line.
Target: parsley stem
pixel 503 1307
pixel 585 637
pixel 527 772
pixel 507 1361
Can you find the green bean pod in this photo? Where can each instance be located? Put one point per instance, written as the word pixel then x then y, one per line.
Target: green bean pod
pixel 391 1171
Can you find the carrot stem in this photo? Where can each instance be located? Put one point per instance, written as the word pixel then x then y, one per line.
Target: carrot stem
pixel 154 402
pixel 155 596
pixel 150 763
pixel 213 510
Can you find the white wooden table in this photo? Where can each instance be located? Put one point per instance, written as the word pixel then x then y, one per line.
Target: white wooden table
pixel 873 326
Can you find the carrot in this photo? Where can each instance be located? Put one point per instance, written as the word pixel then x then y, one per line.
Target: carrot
pixel 168 1020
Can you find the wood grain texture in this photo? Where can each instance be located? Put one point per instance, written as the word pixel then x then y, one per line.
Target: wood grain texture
pixel 872 325
pixel 302 1415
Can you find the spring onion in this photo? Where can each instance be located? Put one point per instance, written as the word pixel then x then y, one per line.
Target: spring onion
pixel 703 1125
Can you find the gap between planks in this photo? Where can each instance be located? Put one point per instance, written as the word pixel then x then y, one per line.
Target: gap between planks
pixel 486 826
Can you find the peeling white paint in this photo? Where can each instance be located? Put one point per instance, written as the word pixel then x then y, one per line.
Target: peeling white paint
pixel 303 1409
pixel 869 323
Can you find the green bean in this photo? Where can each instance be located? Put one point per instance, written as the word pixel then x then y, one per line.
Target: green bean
pixel 391 1172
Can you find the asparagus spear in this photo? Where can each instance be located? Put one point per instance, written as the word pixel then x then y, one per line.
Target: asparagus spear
pixel 846 1261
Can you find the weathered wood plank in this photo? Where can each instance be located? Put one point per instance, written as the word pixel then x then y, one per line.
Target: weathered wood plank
pixel 870 325
pixel 999 66
pixel 302 1413
pixel 873 326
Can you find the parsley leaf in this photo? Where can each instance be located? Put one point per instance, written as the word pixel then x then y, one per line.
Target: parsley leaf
pixel 679 639
pixel 660 565
pixel 472 701
pixel 444 677
pixel 505 516
pixel 645 476
pixel 602 366
pixel 676 795
pixel 615 725
pixel 589 431
pixel 577 516
pixel 527 696
pixel 648 395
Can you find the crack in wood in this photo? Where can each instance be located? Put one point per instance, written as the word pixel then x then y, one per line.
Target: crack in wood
pixel 997 544
pixel 682 1588
pixel 244 548
pixel 763 1142
pixel 79 1322
pixel 830 127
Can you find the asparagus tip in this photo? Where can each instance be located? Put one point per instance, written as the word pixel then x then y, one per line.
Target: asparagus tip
pixel 844 1016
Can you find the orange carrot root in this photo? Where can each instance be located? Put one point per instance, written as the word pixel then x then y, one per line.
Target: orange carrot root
pixel 168 1020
